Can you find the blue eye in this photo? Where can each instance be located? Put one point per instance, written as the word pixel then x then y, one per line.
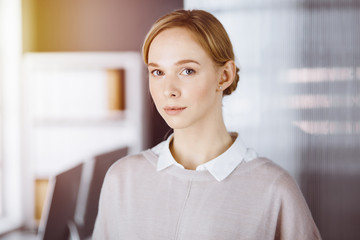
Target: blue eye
pixel 156 72
pixel 188 71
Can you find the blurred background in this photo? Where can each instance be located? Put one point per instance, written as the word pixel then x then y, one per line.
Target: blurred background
pixel 73 94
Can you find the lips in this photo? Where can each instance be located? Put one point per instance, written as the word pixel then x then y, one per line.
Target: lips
pixel 173 110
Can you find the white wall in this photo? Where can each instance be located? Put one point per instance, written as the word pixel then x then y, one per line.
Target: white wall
pixel 11 169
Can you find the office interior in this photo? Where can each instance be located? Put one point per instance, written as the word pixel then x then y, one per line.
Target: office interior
pixel 63 124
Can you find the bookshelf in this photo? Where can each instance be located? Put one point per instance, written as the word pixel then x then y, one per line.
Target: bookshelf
pixel 77 105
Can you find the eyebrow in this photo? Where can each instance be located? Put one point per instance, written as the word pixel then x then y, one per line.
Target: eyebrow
pixel 187 61
pixel 177 63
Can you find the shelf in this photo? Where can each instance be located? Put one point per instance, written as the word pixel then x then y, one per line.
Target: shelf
pixel 76 106
pixel 112 120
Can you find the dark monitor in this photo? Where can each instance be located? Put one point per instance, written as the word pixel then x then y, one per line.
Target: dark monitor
pixel 87 207
pixel 60 204
pixel 72 205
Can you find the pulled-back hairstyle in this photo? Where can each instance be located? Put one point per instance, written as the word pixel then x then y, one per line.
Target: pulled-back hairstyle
pixel 208 31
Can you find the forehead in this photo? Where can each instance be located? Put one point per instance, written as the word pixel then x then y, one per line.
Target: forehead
pixel 176 44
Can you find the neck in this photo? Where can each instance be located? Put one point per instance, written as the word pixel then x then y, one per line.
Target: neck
pixel 192 148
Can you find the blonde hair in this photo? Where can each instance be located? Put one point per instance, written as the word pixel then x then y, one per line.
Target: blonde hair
pixel 210 33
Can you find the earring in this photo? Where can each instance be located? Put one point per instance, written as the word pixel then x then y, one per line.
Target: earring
pixel 220 87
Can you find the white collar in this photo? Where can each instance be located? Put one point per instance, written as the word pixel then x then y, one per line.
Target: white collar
pixel 219 167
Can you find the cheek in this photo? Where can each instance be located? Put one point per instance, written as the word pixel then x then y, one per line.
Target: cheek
pixel 200 94
pixel 203 92
pixel 151 89
pixel 154 92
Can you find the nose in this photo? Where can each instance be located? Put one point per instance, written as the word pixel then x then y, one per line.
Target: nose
pixel 171 88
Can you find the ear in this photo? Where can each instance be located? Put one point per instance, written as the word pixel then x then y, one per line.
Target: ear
pixel 227 75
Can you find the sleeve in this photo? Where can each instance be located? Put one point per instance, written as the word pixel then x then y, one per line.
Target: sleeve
pixel 101 228
pixel 294 217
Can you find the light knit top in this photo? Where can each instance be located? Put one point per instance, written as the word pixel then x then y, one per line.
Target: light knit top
pixel 257 200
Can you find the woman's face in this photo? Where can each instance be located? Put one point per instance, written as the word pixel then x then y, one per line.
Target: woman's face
pixel 183 80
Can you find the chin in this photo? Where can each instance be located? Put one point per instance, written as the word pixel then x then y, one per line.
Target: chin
pixel 177 123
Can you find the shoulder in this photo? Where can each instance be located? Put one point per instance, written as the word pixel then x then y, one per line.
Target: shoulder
pixel 281 186
pixel 268 176
pixel 129 165
pixel 135 164
pixel 292 209
pixel 281 180
pixel 263 168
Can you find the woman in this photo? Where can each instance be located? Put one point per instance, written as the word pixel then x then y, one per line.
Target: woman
pixel 202 182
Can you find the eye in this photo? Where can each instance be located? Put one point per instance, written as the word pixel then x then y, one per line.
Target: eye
pixel 188 71
pixel 157 72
